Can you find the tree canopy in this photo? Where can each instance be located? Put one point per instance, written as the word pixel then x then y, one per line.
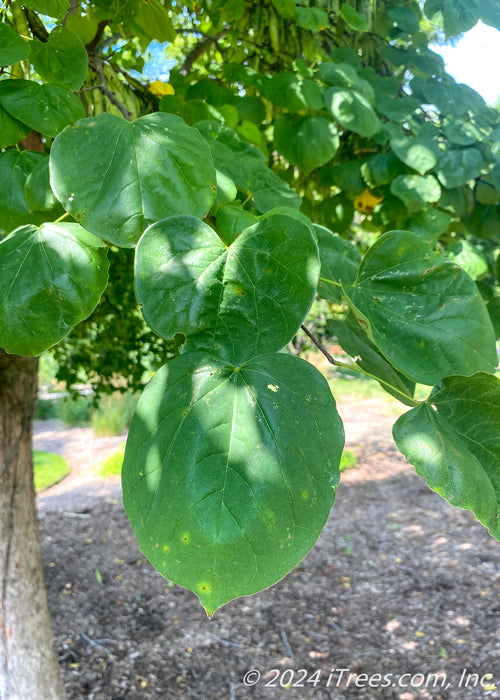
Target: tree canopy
pixel 296 150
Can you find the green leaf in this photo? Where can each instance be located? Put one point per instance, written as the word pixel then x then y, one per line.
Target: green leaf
pixel 347 176
pixel 307 142
pixel 84 26
pixel 37 190
pixel 335 213
pixel 238 301
pixel 243 163
pixel 430 224
pixel 416 191
pixel 398 109
pixel 45 108
pixel 404 18
pixel 340 261
pixel 423 312
pixel 293 92
pixel 469 257
pixel 314 19
pixel 449 99
pixel 13 48
pixel 456 167
pixel 353 339
pixel 490 12
pixel 134 174
pixel 153 21
pixel 462 133
pixel 453 440
pixel 52 8
pixel 62 59
pixel 420 154
pixel 380 169
pixel 52 278
pixel 231 512
pixel 339 74
pixel 11 130
pixel 353 18
pixel 452 16
pixel 15 166
pixel 231 220
pixel 353 111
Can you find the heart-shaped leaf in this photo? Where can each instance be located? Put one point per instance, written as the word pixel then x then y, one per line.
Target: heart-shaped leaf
pixel 62 59
pixel 353 111
pixel 134 174
pixel 46 108
pixel 453 440
pixel 307 142
pixel 52 278
pixel 237 301
pixel 421 154
pixel 423 312
pixel 229 474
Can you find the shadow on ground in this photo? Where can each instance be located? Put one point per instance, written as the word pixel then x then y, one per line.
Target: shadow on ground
pixel 399 583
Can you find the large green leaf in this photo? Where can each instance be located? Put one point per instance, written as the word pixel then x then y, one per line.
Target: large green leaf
pixel 307 142
pixel 352 111
pixel 11 130
pixel 293 92
pixel 452 16
pixel 13 48
pixel 244 164
pixel 453 440
pixel 423 312
pixel 134 173
pixel 421 154
pixel 15 166
pixel 449 99
pixel 416 191
pixel 456 167
pixel 45 108
pixel 52 278
pixel 470 257
pixel 229 474
pixel 62 59
pixel 340 261
pixel 356 343
pixel 52 8
pixel 237 301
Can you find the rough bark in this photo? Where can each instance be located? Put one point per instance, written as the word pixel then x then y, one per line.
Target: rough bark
pixel 28 662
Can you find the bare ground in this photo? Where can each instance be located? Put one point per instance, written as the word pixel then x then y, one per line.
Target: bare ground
pixel 400 584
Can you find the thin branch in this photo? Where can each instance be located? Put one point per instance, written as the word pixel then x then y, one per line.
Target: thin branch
pixel 97 65
pixel 325 352
pixel 201 48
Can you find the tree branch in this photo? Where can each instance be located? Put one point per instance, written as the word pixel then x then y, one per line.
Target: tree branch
pixel 325 352
pixel 200 48
pixel 96 63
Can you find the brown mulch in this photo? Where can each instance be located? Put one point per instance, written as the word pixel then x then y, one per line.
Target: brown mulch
pixel 398 583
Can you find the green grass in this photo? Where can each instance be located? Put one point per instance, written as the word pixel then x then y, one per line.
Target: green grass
pixel 348 460
pixel 112 466
pixel 49 469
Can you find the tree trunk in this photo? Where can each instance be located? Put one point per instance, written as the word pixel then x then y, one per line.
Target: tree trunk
pixel 28 663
